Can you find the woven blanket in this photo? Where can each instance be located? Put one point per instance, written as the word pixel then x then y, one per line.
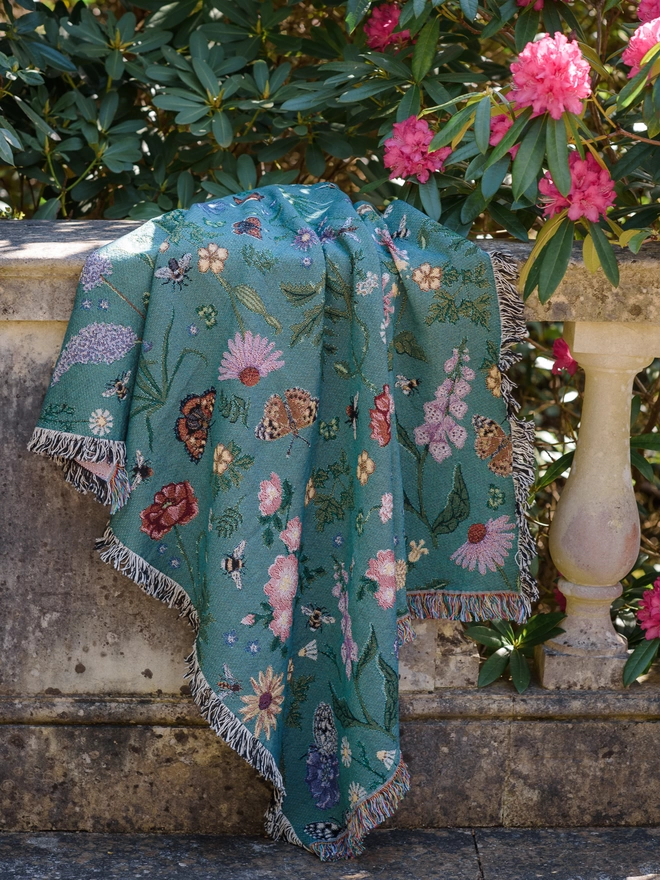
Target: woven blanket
pixel 299 413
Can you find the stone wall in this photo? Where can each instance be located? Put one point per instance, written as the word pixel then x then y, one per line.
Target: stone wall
pixel 97 731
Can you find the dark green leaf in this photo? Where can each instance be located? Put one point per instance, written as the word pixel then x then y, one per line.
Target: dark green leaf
pixel 430 197
pixel 470 8
pixel 247 173
pixel 206 76
pixel 646 441
pixel 409 105
pixel 527 164
pixel 640 659
pixel 108 109
pixel 494 667
pixel 391 687
pixel 557 153
pixel 368 653
pixel 314 160
pixel 510 138
pixel 185 189
pixel 605 253
pixel 449 131
pixel 507 219
pixel 638 461
pixel 493 177
pixel 457 508
pixel 114 64
pixel 484 635
pixel 425 49
pixel 555 470
pixel 526 27
pixel 405 342
pixel 519 668
pixel 482 124
pixel 222 129
pixel 473 206
pixel 555 256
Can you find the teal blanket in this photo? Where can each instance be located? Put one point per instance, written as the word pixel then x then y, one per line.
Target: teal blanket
pixel 298 411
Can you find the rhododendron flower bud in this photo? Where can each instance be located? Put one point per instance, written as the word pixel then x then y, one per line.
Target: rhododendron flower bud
pixel 591 193
pixel 645 37
pixel 563 361
pixel 648 10
pixel 649 612
pixel 499 125
pixel 551 76
pixel 407 151
pixel 380 26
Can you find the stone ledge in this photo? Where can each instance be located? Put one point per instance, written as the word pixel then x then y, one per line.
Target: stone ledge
pixel 40 261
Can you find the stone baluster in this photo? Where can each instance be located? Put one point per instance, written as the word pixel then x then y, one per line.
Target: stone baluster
pixel 595 532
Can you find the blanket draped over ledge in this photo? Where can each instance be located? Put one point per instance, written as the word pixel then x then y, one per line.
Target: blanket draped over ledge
pixel 298 411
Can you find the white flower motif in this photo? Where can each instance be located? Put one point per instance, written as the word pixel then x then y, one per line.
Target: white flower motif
pixel 100 422
pixel 310 650
pixel 355 793
pixel 387 757
pixel 346 753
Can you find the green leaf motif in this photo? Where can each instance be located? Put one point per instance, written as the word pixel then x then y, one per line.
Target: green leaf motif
pixel 343 713
pixel 298 691
pixel 477 311
pixel 406 343
pixel 368 653
pixel 443 308
pixel 391 686
pixel 228 521
pixel 457 508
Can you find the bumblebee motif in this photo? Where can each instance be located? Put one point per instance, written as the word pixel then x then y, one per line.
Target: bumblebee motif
pixel 118 387
pixel 233 564
pixel 228 683
pixel 352 413
pixel 407 386
pixel 176 271
pixel 141 470
pixel 317 617
pixel 403 231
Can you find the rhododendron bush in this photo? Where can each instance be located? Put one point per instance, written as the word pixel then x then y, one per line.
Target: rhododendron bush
pixel 500 119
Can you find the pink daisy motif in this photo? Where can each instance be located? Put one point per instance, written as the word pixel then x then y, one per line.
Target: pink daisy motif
pixel 380 26
pixel 382 569
pixel 291 534
pixel 270 495
pixel 551 76
pixel 645 37
pixel 281 591
pixel 563 359
pixel 648 10
pixel 249 359
pixel 280 625
pixel 487 545
pixel 407 151
pixel 591 193
pixel 499 125
pixel 649 612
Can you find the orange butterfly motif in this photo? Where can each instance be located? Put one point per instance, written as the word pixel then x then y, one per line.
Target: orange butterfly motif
pixel 289 414
pixel 192 427
pixel 491 442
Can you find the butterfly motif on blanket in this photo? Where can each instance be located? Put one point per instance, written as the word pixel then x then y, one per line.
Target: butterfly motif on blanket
pixel 492 443
pixel 287 415
pixel 249 226
pixel 192 426
pixel 323 830
pixel 325 730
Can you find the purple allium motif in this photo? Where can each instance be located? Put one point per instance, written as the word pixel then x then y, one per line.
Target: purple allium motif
pixel 441 415
pixel 95 266
pixel 322 777
pixel 95 344
pixel 305 239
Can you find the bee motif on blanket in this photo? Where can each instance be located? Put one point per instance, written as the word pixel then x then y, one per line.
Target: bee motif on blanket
pixel 233 564
pixel 403 231
pixel 118 387
pixel 352 413
pixel 317 617
pixel 141 470
pixel 228 683
pixel 176 271
pixel 407 386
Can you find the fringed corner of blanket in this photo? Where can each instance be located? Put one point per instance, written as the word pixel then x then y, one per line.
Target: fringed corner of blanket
pixel 89 464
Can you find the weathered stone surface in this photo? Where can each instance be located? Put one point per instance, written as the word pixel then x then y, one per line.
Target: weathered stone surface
pixel 456 659
pixel 594 854
pixel 417 669
pixel 557 669
pixel 415 855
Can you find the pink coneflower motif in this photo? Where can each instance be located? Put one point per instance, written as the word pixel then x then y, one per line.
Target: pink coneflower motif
pixel 281 591
pixel 249 359
pixel 499 125
pixel 649 612
pixel 591 193
pixel 305 239
pixel 407 151
pixel 382 569
pixel 551 76
pixel 270 495
pixel 648 10
pixel 441 415
pixel 487 545
pixel 291 534
pixel 645 37
pixel 563 359
pixel 380 26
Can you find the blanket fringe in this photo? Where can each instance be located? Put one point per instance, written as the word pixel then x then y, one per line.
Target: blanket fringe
pixel 366 815
pixel 405 631
pixel 468 607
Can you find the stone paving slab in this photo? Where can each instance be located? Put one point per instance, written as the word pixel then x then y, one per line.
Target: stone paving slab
pixel 391 855
pixel 577 854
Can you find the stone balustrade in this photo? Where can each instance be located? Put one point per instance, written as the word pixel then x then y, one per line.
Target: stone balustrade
pixel 89 674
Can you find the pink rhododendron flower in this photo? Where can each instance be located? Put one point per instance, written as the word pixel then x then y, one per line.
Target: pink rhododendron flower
pixel 645 37
pixel 648 10
pixel 649 612
pixel 270 495
pixel 382 569
pixel 499 125
pixel 487 545
pixel 291 534
pixel 407 151
pixel 591 193
pixel 551 76
pixel 563 359
pixel 380 26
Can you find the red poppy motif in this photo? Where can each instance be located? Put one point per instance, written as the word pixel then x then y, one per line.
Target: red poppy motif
pixel 381 417
pixel 174 505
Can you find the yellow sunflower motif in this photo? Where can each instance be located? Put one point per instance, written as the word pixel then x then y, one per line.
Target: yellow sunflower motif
pixel 427 277
pixel 266 702
pixel 365 467
pixel 212 257
pixel 494 381
pixel 222 458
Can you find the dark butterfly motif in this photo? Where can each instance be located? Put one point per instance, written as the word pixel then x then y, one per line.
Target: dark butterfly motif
pixel 287 415
pixel 491 442
pixel 403 231
pixel 254 196
pixel 249 226
pixel 325 730
pixel 192 426
pixel 323 830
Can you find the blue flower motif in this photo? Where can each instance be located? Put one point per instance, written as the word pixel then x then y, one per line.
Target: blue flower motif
pixel 175 562
pixel 162 548
pixel 230 637
pixel 253 647
pixel 306 262
pixel 104 305
pixel 193 330
pixel 86 304
pixel 322 777
pixel 147 346
pixel 395 540
pixel 338 540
